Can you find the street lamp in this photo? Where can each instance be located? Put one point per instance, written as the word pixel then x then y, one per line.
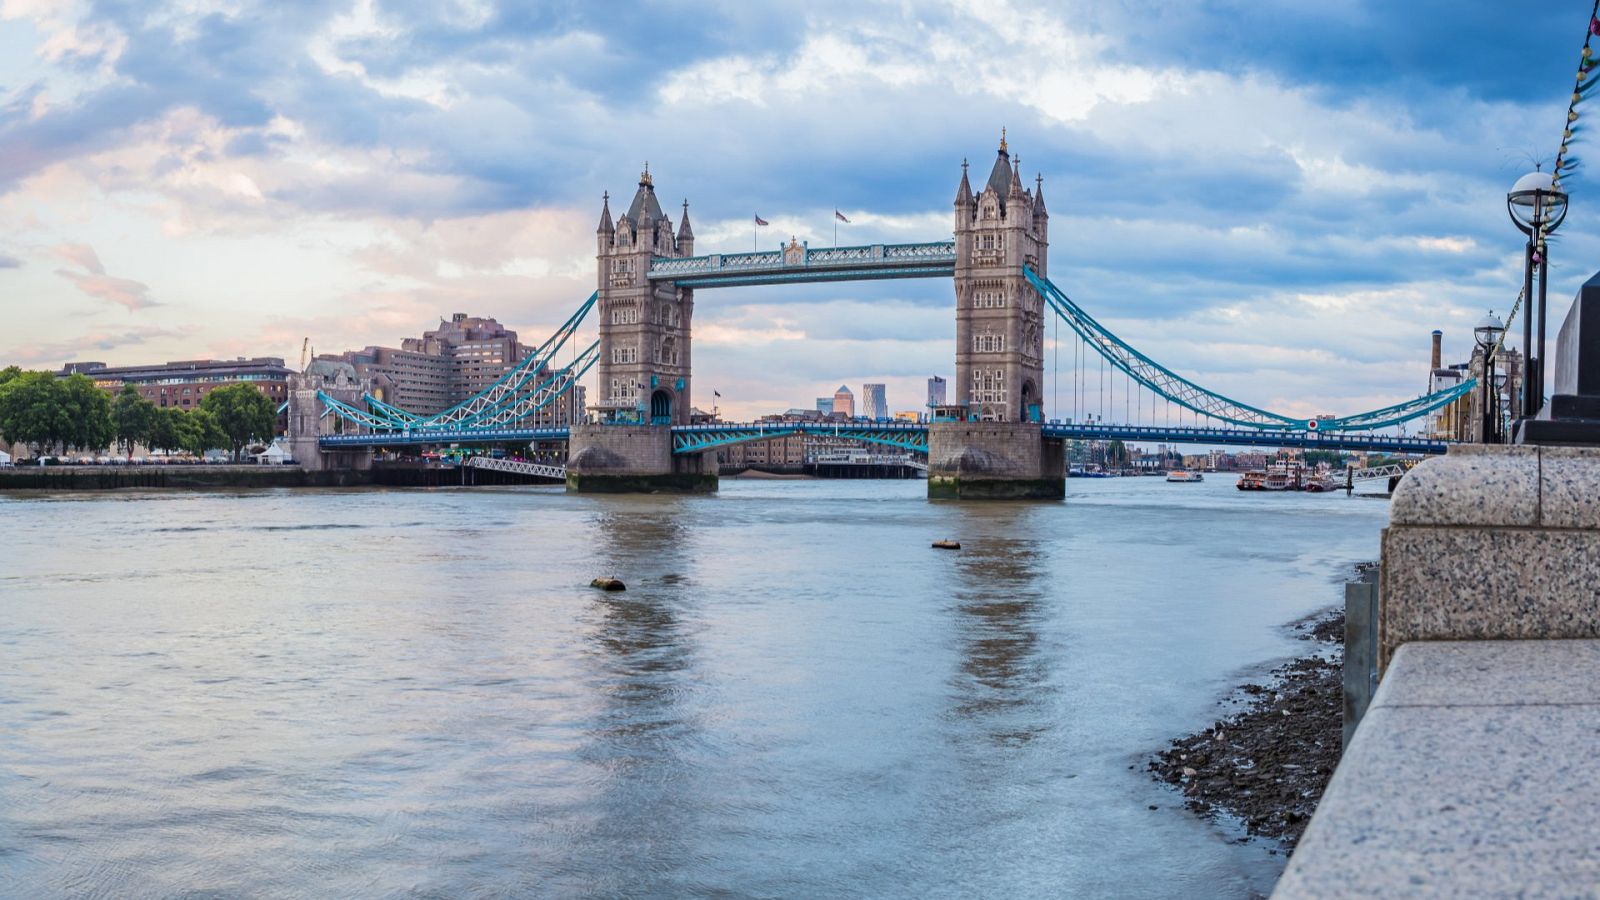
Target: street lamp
pixel 1537 206
pixel 1487 333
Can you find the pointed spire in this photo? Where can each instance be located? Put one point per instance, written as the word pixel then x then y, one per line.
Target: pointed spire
pixel 1038 198
pixel 1002 139
pixel 605 215
pixel 1014 189
pixel 684 231
pixel 964 193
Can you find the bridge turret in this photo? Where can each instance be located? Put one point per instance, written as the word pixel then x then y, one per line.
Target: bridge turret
pixel 685 234
pixel 606 232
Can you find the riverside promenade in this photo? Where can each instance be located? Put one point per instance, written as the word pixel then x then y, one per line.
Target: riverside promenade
pixel 1473 771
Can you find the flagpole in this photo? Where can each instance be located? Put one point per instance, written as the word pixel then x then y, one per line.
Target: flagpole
pixel 836 226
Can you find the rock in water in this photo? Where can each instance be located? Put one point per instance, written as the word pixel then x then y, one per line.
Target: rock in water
pixel 608 584
pixel 947 545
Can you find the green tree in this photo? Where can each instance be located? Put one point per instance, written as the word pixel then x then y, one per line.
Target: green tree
pixel 89 425
pixel 164 429
pixel 132 415
pixel 31 411
pixel 1117 453
pixel 243 413
pixel 199 431
pixel 9 373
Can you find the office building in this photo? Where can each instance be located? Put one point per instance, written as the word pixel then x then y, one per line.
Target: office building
pixel 936 395
pixel 874 402
pixel 844 403
pixel 825 405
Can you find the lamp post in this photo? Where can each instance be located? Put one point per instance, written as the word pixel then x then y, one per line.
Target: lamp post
pixel 1487 333
pixel 1501 425
pixel 1538 207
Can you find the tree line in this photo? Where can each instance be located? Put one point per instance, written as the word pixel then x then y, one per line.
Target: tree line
pixel 45 413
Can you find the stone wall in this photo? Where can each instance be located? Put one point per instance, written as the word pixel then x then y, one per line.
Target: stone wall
pixel 1493 543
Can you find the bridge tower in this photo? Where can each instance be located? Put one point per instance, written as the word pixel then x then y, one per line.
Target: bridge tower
pixel 990 444
pixel 643 374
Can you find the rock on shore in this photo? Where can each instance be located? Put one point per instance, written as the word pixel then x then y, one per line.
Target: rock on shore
pixel 1268 764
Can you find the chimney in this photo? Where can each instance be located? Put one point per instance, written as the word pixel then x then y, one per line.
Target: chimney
pixel 1438 355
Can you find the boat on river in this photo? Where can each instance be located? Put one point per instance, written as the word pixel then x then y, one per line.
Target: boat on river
pixel 1183 477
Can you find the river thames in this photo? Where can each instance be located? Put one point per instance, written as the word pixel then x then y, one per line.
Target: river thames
pixel 416 693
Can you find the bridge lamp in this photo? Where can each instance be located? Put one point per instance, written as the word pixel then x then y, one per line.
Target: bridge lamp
pixel 1487 334
pixel 1537 206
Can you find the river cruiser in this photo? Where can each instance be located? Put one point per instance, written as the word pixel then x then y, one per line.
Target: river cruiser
pixel 1179 475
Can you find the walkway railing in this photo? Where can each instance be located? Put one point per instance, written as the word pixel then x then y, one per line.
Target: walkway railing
pixel 799 263
pixel 518 467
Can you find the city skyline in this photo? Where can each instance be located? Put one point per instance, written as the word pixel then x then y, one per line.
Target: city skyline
pixel 1309 205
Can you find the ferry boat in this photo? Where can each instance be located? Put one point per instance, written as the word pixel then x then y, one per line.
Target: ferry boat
pixel 1270 480
pixel 1179 475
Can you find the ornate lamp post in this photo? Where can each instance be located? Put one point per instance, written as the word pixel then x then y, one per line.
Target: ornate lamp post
pixel 1538 207
pixel 1487 334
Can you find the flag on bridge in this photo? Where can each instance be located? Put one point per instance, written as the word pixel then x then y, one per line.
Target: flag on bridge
pixel 840 216
pixel 761 221
pixel 716 393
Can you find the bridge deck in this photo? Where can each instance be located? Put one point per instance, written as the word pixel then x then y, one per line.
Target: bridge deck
pixel 799 264
pixel 908 435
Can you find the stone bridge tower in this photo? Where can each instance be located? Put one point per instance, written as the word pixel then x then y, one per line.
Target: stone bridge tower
pixel 643 373
pixel 999 316
pixel 990 445
pixel 643 369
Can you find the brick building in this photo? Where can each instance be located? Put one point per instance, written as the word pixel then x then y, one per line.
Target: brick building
pixel 182 384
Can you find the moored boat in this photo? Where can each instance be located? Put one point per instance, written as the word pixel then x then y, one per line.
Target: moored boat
pixel 1182 476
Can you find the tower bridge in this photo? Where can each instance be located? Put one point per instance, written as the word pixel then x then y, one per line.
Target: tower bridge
pixel 991 442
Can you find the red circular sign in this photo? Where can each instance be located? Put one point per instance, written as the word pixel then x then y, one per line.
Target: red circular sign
pixel 1312 425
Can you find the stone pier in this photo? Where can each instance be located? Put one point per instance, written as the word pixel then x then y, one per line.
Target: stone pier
pixel 994 461
pixel 635 459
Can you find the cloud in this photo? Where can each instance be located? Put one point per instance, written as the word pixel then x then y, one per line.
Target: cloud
pixel 1280 199
pixel 54 353
pixel 124 292
pixel 9 262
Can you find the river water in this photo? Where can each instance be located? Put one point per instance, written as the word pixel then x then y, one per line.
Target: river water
pixel 416 693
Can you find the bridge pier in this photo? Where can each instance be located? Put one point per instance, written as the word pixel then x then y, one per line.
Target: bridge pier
pixel 307 423
pixel 994 461
pixel 635 459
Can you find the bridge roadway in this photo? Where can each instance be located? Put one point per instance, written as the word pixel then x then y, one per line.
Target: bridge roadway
pixel 907 436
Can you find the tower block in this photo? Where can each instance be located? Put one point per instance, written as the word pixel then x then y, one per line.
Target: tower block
pixel 644 367
pixel 989 445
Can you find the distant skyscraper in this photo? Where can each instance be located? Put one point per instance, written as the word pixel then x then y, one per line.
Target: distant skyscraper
pixel 935 391
pixel 825 405
pixel 874 402
pixel 844 402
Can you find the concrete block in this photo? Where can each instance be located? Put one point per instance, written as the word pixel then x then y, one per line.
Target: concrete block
pixel 1472 485
pixel 1492 673
pixel 1457 801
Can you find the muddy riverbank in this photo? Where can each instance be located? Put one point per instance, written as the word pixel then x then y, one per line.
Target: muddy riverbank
pixel 1267 764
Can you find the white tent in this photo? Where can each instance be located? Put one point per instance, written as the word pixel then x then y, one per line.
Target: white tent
pixel 272 456
pixel 5 458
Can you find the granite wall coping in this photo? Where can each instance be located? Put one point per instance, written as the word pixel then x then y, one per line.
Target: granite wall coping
pixel 1472 774
pixel 1503 486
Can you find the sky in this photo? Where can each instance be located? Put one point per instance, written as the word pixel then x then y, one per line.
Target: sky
pixel 1277 199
